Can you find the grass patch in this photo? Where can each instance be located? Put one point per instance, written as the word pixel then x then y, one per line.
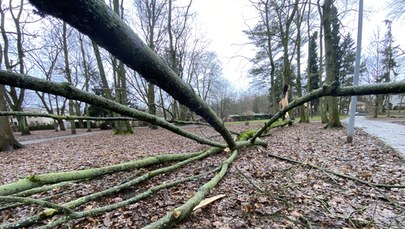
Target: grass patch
pixel 318 118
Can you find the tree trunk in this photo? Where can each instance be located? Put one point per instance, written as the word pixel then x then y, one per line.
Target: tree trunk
pixel 23 125
pixel 121 127
pixel 334 120
pixel 273 98
pixel 78 113
pixel 7 140
pixel 151 103
pixel 183 112
pixel 162 103
pixel 303 112
pixel 377 106
pixel 68 75
pixel 322 101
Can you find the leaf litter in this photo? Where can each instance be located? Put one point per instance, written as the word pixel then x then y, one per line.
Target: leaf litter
pixel 260 191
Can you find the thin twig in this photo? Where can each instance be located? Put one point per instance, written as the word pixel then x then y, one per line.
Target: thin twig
pixel 251 182
pixel 337 173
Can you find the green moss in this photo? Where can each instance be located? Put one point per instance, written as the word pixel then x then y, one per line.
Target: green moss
pixel 33 178
pixel 246 135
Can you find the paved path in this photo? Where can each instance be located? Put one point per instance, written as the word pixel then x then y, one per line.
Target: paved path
pixel 390 133
pixel 55 138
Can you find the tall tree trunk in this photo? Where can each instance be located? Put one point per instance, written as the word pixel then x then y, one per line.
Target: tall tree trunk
pixel 273 98
pixel 284 28
pixel 78 113
pixel 151 103
pixel 86 82
pixel 303 111
pixel 121 127
pixel 68 76
pixel 309 64
pixel 7 140
pixel 322 101
pixel 334 120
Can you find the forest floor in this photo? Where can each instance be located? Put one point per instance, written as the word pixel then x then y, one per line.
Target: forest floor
pixel 261 191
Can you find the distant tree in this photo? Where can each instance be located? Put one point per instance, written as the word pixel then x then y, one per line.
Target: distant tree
pixel 264 36
pixel 374 73
pixel 299 19
pixel 46 61
pixel 68 73
pixel 322 101
pixel 389 62
pixel 178 29
pixel 152 15
pixel 224 101
pixel 347 56
pixel 206 71
pixel 313 69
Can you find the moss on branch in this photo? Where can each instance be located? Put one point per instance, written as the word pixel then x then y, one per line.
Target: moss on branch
pixel 34 181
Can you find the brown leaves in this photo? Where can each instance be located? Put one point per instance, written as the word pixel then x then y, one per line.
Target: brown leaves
pixel 289 196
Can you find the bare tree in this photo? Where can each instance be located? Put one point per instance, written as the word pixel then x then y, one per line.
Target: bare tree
pixel 178 22
pixel 19 16
pixel 152 15
pixel 47 60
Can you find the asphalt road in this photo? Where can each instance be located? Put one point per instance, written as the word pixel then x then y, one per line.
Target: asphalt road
pixel 390 133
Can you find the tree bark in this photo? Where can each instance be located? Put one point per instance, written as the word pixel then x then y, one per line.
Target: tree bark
pixel 333 109
pixel 151 103
pixel 7 140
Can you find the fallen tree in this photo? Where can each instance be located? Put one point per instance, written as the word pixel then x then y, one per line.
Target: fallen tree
pixel 106 26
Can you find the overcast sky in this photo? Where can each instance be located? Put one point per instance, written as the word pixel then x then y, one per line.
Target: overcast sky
pixel 224 21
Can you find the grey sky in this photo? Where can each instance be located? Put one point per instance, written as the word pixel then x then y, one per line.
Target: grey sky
pixel 224 20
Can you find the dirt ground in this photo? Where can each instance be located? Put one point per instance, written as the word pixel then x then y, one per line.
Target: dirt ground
pixel 261 191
